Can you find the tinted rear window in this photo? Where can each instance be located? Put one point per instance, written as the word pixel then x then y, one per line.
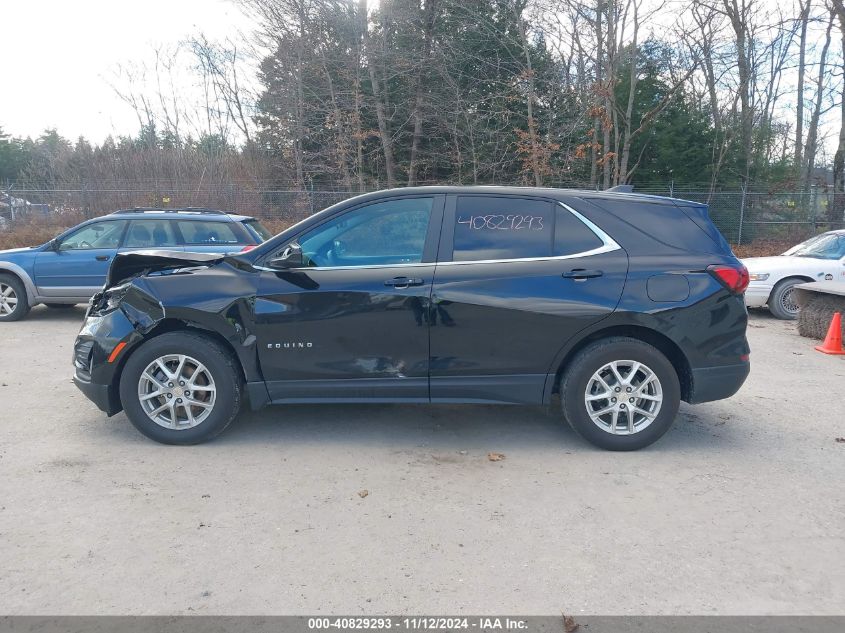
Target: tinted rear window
pixel 487 227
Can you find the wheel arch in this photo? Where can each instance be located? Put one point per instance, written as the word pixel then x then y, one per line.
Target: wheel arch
pixel 170 325
pixel 663 343
pixel 8 268
pixel 799 276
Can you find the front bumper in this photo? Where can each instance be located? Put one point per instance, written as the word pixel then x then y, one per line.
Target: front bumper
pixel 104 396
pixel 717 383
pixel 757 295
pixel 94 374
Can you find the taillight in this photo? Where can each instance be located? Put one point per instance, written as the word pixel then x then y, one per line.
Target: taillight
pixel 734 278
pixel 248 247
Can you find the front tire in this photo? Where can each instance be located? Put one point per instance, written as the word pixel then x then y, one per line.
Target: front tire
pixel 620 394
pixel 782 303
pixel 14 303
pixel 181 388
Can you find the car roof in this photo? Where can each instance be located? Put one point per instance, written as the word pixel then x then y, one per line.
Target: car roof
pixel 194 213
pixel 531 191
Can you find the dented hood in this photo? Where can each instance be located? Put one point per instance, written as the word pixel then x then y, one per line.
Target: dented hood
pixel 126 265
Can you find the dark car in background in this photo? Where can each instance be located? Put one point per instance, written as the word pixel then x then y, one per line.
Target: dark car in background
pixel 617 305
pixel 72 267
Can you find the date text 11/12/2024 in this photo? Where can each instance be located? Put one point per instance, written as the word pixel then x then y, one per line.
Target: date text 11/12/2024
pixel 418 623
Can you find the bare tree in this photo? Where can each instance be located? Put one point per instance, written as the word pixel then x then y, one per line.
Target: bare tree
pixel 811 146
pixel 803 20
pixel 378 99
pixel 838 207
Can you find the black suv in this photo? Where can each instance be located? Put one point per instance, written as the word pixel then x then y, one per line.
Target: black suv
pixel 619 305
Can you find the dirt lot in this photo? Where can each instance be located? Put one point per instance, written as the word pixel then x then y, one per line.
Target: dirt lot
pixel 740 509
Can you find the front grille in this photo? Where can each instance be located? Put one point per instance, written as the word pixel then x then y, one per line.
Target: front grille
pixel 82 359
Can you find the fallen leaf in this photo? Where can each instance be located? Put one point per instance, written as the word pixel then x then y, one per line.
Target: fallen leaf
pixel 569 624
pixel 495 457
pixel 363 493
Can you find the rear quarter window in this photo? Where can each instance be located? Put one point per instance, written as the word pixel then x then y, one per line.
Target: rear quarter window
pixel 662 221
pixel 261 232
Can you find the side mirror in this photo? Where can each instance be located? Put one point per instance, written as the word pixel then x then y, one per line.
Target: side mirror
pixel 53 245
pixel 291 257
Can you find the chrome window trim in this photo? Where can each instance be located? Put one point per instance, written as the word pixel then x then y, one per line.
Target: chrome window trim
pixel 604 237
pixel 368 266
pixel 608 245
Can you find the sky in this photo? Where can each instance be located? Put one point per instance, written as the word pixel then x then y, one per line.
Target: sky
pixel 58 57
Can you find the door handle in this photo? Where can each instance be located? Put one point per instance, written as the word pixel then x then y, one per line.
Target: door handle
pixel 102 258
pixel 403 282
pixel 581 274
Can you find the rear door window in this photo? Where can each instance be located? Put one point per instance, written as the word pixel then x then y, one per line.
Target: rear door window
pixel 198 232
pixel 491 228
pixel 150 234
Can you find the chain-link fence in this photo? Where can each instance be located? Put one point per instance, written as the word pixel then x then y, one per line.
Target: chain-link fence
pixel 743 217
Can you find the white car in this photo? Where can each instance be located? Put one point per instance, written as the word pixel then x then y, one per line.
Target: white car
pixel 821 258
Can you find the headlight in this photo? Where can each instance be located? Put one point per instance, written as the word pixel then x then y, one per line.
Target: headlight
pixel 758 276
pixel 109 300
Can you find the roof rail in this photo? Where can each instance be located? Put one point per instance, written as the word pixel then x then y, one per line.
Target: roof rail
pixel 202 210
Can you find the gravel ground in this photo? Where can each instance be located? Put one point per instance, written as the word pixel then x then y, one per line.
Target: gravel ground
pixel 738 510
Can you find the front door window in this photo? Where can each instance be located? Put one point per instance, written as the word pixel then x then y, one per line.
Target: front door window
pixel 380 234
pixel 92 236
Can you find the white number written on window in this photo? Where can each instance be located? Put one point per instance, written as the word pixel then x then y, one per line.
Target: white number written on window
pixel 503 222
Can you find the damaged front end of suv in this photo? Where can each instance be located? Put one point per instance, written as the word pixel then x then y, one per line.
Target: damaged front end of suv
pixel 135 306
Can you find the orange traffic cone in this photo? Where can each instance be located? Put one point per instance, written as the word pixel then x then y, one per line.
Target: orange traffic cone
pixel 833 341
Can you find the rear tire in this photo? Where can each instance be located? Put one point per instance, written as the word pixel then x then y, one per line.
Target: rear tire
pixel 782 300
pixel 14 303
pixel 187 357
pixel 638 409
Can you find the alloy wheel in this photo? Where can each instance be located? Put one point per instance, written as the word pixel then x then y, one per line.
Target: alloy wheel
pixel 177 392
pixel 623 397
pixel 8 299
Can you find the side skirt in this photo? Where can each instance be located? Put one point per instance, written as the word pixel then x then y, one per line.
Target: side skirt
pixel 507 389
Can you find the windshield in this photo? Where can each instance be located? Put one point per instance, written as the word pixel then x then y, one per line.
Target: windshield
pixel 826 246
pixel 260 231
